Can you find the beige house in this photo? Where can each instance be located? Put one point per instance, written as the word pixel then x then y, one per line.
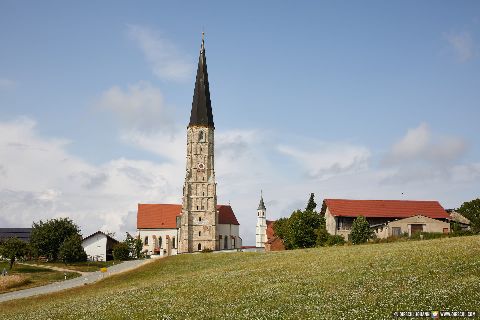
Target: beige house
pixel 410 226
pixel 386 217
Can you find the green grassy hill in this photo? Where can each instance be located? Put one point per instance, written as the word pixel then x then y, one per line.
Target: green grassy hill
pixel 351 282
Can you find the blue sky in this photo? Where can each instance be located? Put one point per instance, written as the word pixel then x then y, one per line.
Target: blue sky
pixel 346 99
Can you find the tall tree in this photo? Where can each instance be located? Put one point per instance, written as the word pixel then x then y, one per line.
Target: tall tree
pixel 71 250
pixel 47 237
pixel 361 231
pixel 311 205
pixel 135 245
pixel 303 227
pixel 12 249
pixel 471 211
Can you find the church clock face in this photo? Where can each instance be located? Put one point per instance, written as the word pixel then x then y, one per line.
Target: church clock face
pixel 201 166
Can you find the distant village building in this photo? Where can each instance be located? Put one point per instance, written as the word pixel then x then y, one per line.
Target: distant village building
pixel 20 233
pixel 458 218
pixel 99 246
pixel 265 235
pixel 200 223
pixel 386 217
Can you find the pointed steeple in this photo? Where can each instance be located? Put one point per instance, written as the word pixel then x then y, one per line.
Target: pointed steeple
pixel 261 205
pixel 201 106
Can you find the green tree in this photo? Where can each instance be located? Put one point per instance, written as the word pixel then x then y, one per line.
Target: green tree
pixel 361 231
pixel 311 205
pixel 322 237
pixel 12 249
pixel 47 237
pixel 121 251
pixel 71 250
pixel 135 246
pixel 303 227
pixel 471 211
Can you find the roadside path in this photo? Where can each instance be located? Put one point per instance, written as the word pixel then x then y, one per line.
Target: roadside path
pixel 87 277
pixel 53 268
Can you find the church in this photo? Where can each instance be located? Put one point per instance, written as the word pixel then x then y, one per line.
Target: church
pixel 199 223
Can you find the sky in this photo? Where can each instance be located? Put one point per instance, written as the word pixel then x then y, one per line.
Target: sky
pixel 345 99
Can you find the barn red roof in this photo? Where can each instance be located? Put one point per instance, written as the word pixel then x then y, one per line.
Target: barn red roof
pixel 385 208
pixel 164 216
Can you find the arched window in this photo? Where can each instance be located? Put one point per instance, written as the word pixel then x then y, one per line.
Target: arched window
pixel 199 218
pixel 225 242
pixel 173 243
pixel 200 135
pixel 199 233
pixel 159 241
pixel 146 241
pixel 199 247
pixel 233 243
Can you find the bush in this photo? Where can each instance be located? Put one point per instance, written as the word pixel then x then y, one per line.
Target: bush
pixel 361 231
pixel 71 250
pixel 428 235
pixel 336 240
pixel 461 233
pixel 121 251
pixel 322 237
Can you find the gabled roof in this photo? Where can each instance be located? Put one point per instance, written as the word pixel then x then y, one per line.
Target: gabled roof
pixel 201 114
pixel 385 208
pixel 100 232
pixel 20 233
pixel 164 216
pixel 226 215
pixel 455 216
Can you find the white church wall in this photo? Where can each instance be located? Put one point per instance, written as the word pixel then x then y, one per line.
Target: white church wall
pixel 96 247
pixel 153 243
pixel 229 230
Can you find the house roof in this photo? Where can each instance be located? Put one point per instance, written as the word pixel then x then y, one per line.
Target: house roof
pixel 20 233
pixel 455 216
pixel 106 235
pixel 385 208
pixel 164 216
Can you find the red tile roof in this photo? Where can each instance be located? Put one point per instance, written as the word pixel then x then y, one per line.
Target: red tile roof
pixel 163 216
pixel 226 215
pixel 385 208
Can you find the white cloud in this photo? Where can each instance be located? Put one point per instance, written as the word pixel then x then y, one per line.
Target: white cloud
pixel 167 61
pixel 462 45
pixel 325 160
pixel 41 180
pixel 141 106
pixel 7 84
pixel 419 145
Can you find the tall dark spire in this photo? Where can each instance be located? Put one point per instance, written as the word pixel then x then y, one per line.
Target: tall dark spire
pixel 201 106
pixel 261 205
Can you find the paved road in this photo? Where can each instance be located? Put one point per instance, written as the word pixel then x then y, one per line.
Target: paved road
pixel 89 277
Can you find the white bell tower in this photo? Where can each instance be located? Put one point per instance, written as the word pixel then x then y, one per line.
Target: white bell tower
pixel 261 230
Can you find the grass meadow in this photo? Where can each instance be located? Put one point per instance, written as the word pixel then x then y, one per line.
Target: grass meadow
pixel 22 277
pixel 348 282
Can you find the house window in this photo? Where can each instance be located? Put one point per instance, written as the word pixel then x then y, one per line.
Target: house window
pixel 173 243
pixel 199 247
pixel 146 241
pixel 159 241
pixel 396 231
pixel 445 230
pixel 233 243
pixel 199 233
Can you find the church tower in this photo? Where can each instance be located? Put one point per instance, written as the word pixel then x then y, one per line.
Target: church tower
pixel 261 233
pixel 199 218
